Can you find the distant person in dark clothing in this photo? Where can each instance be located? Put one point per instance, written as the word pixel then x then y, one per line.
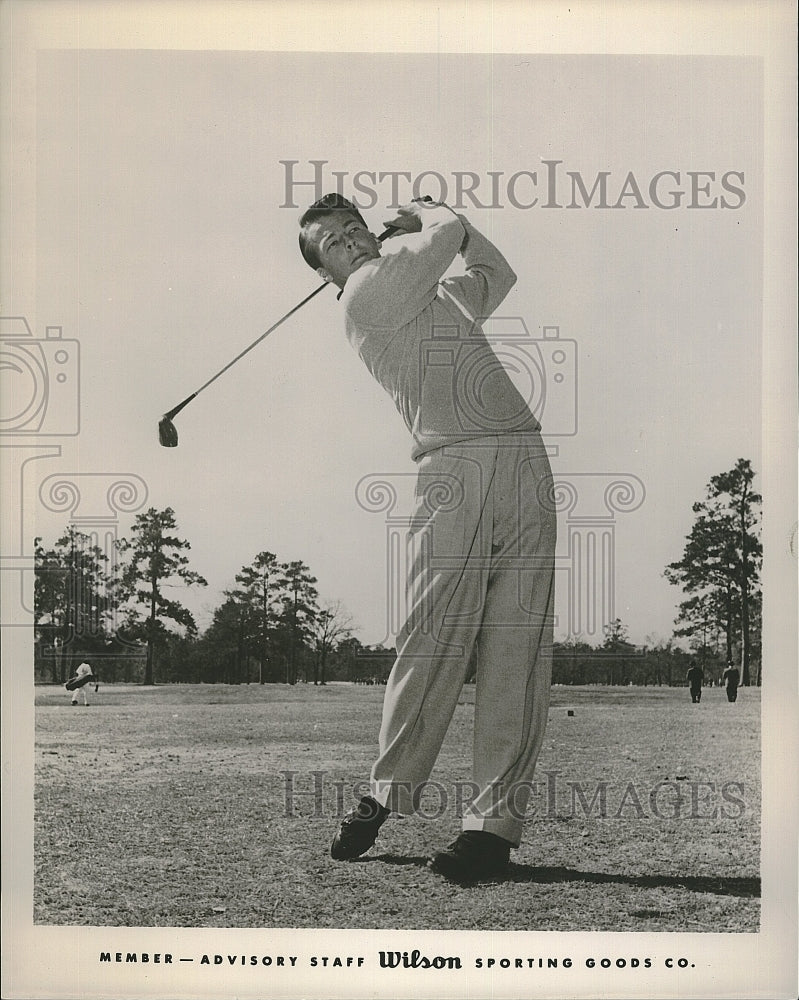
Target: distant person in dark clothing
pixel 731 679
pixel 695 678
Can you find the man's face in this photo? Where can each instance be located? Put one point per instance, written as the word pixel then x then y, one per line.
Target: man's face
pixel 343 245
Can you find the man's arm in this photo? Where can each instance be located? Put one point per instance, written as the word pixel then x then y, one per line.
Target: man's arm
pixel 488 279
pixel 392 291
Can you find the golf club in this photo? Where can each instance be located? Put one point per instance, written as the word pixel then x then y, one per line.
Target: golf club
pixel 167 432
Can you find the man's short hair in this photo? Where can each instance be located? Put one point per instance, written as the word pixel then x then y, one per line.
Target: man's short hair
pixel 324 206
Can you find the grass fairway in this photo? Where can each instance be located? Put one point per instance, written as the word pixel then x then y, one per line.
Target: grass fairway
pixel 166 806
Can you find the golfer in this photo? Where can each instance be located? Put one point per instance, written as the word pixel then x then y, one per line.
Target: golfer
pixel 482 533
pixel 84 670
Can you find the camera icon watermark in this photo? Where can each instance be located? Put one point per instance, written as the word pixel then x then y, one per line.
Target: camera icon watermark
pixel 39 381
pixel 544 370
pixel 39 403
pixel 472 372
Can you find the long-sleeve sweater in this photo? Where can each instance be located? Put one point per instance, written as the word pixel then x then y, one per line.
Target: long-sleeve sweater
pixel 419 333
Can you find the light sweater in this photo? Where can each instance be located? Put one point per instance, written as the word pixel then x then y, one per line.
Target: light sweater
pixel 419 334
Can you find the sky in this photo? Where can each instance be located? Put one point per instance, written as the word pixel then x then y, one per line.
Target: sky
pixel 166 242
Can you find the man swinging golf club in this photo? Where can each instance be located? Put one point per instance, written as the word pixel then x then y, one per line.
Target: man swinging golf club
pixel 482 533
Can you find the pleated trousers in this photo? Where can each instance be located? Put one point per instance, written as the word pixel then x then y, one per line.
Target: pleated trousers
pixel 481 548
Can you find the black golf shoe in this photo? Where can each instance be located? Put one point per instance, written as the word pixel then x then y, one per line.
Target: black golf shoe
pixel 358 830
pixel 474 856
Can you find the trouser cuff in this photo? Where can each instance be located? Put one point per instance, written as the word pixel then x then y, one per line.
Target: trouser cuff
pixel 394 795
pixel 507 828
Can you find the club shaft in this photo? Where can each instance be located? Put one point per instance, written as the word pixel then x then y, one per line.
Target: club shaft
pixel 255 343
pixel 386 234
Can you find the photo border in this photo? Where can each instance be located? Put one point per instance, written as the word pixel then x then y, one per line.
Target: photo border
pixel 61 962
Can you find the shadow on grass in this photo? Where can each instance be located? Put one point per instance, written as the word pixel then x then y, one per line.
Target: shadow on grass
pixel 744 887
pixel 396 859
pixel 718 885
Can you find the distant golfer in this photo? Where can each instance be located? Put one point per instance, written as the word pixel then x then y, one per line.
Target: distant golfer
pixel 80 681
pixel 695 678
pixel 731 678
pixel 482 534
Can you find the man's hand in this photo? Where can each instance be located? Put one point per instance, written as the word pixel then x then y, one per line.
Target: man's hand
pixel 409 217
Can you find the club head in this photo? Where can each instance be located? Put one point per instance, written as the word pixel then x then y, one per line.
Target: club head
pixel 167 433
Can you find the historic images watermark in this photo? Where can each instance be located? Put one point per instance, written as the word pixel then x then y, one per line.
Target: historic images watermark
pixel 318 795
pixel 550 184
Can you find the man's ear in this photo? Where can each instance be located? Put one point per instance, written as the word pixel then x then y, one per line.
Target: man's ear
pixel 323 274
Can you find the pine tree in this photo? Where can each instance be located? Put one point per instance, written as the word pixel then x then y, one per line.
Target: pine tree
pixel 258 598
pixel 74 597
pixel 155 560
pixel 300 612
pixel 333 625
pixel 224 642
pixel 720 566
pixel 616 650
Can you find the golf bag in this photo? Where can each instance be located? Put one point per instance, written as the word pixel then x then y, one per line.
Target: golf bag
pixel 77 682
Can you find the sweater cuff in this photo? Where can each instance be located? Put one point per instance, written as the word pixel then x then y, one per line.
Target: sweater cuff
pixel 463 221
pixel 467 228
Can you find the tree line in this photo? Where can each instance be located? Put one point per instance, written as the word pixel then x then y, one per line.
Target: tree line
pixel 271 626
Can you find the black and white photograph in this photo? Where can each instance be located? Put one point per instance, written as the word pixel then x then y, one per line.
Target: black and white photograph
pixel 399 499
